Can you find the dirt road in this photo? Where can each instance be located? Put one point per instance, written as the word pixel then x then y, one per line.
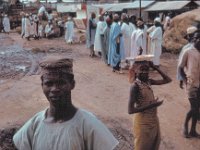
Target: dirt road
pixel 98 90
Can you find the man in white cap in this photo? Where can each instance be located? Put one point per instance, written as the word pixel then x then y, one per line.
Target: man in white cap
pixel 6 24
pixel 138 46
pixel 149 30
pixel 101 25
pixel 62 126
pixel 156 37
pixel 189 67
pixel 126 34
pixel 190 33
pixel 69 30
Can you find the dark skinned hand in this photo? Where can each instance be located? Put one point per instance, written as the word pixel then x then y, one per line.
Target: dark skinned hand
pixel 181 84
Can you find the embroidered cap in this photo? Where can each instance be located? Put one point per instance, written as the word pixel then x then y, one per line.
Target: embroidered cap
pixel 57 65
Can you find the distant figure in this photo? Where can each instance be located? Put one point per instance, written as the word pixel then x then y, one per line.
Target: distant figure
pixel 101 25
pixel 23 24
pixel 126 34
pixel 106 40
pixel 62 126
pixel 41 30
pixel 116 45
pixel 143 105
pixel 132 23
pixel 137 41
pixel 91 31
pixel 36 27
pixel 41 10
pixel 190 33
pixel 156 37
pixel 61 26
pixel 69 31
pixel 189 67
pixel 149 43
pixel 27 27
pixel 6 24
pixel 49 30
pixel 32 32
pixel 167 22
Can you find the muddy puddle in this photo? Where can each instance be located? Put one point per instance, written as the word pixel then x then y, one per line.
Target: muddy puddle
pixel 16 62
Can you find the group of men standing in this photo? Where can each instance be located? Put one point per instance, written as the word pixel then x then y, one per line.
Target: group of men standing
pixel 33 26
pixel 117 40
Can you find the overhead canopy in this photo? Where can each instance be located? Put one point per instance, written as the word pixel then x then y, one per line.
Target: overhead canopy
pixel 68 8
pixel 168 5
pixel 121 6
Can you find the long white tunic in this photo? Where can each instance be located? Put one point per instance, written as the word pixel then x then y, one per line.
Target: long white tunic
pixel 69 31
pixel 145 40
pixel 150 49
pixel 41 30
pixel 49 29
pixel 126 34
pixel 137 41
pixel 156 44
pixel 23 26
pixel 27 27
pixel 99 31
pixel 132 27
pixel 83 132
pixel 6 24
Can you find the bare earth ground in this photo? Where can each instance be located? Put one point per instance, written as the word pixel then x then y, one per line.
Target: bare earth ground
pixel 98 90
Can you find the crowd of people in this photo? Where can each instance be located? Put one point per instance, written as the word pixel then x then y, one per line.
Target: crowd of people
pixel 33 26
pixel 119 39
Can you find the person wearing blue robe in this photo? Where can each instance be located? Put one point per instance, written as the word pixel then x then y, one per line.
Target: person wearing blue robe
pixel 116 46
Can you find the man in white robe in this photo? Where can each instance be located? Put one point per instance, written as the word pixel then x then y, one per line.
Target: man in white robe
pixel 6 24
pixel 149 30
pixel 156 37
pixel 23 25
pixel 62 126
pixel 137 41
pixel 126 34
pixel 27 27
pixel 69 30
pixel 101 25
pixel 167 22
pixel 132 23
pixel 49 30
pixel 40 30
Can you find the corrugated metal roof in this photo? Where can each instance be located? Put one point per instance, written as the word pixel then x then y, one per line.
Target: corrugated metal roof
pixel 168 5
pixel 121 6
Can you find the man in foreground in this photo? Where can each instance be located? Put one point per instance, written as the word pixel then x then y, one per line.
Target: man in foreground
pixel 62 126
pixel 189 67
pixel 143 105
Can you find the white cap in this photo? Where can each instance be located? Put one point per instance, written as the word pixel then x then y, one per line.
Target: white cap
pixel 191 30
pixel 157 19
